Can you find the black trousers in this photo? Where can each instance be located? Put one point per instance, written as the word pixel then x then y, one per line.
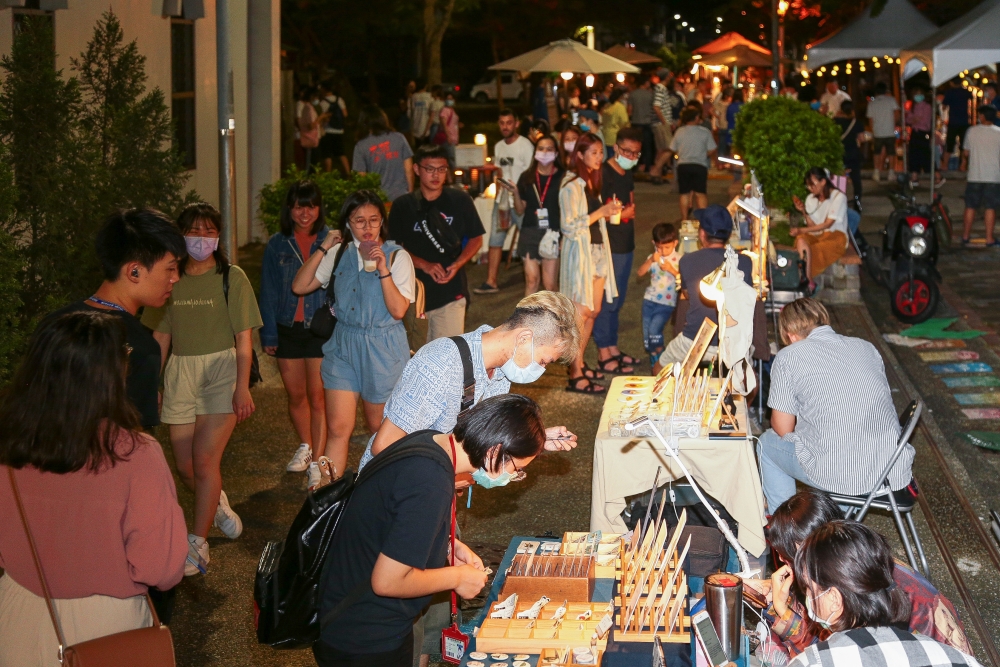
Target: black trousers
pixel 328 656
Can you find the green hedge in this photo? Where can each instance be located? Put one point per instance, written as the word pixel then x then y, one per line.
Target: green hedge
pixel 334 187
pixel 781 139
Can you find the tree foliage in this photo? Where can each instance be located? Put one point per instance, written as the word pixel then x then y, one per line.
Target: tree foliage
pixel 334 188
pixel 780 140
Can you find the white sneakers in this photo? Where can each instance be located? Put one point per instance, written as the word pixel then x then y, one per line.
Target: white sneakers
pixel 226 519
pixel 315 475
pixel 197 560
pixel 301 459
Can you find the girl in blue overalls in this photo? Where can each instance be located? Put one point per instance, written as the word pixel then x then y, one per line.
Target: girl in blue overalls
pixel 368 349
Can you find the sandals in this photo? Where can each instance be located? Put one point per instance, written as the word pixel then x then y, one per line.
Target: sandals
pixel 592 374
pixel 623 364
pixel 588 388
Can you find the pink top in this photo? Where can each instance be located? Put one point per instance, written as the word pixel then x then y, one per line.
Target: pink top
pixel 449 118
pixel 919 117
pixel 112 533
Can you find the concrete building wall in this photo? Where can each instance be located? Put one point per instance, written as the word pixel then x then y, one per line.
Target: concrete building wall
pixel 255 43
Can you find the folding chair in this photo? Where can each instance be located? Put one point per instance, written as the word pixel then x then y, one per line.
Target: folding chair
pixel 899 503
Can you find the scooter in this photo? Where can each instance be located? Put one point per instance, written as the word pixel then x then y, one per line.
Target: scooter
pixel 908 258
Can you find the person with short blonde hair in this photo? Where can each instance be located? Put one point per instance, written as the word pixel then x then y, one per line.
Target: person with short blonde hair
pixel 833 423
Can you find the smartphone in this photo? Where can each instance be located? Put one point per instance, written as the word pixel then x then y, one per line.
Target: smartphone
pixel 709 639
pixel 507 184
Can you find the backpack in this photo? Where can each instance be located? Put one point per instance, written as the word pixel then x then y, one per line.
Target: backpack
pixel 336 120
pixel 287 586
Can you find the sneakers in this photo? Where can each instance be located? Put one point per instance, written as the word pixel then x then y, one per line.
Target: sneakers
pixel 197 560
pixel 226 519
pixel 875 175
pixel 321 473
pixel 301 459
pixel 315 476
pixel 486 288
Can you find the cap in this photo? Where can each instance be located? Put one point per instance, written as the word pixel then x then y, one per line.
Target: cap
pixel 716 221
pixel 663 73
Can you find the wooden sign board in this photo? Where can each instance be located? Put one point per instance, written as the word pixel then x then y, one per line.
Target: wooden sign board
pixel 698 349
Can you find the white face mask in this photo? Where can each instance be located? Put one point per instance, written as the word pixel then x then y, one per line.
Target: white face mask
pixel 569 145
pixel 821 622
pixel 527 375
pixel 545 157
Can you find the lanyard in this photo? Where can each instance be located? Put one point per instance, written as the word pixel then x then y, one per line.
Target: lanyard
pixel 106 304
pixel 454 598
pixel 541 201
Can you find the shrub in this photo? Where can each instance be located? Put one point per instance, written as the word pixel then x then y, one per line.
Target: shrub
pixel 781 139
pixel 332 184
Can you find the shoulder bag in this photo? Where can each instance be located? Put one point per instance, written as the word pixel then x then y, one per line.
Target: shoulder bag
pixel 142 647
pixel 324 321
pixel 255 376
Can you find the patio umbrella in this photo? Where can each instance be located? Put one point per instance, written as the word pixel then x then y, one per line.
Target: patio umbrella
pixel 630 55
pixel 565 55
pixel 729 41
pixel 738 56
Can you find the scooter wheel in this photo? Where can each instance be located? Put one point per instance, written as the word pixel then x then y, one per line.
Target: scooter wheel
pixel 915 300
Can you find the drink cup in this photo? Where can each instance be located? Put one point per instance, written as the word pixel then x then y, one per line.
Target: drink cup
pixel 365 249
pixel 615 218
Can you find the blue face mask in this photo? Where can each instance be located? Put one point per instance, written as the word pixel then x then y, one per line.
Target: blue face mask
pixel 918 98
pixel 625 163
pixel 584 127
pixel 525 375
pixel 814 106
pixel 483 479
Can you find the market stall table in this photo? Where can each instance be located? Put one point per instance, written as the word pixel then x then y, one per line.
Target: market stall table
pixel 725 469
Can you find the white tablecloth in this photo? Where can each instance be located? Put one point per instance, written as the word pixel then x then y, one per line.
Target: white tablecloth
pixel 724 469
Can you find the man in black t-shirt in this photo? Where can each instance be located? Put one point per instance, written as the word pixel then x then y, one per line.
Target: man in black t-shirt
pixel 138 250
pixel 616 181
pixel 432 223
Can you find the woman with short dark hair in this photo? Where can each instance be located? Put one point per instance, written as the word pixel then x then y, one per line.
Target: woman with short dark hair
pixel 287 317
pixel 845 571
pixel 383 151
pixel 97 493
pixel 823 238
pixel 390 553
pixel 373 287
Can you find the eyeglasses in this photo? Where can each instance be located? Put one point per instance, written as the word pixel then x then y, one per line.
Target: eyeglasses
pixel 371 223
pixel 519 475
pixel 128 350
pixel 435 170
pixel 632 155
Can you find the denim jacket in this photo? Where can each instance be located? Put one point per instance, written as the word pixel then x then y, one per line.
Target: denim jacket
pixel 282 260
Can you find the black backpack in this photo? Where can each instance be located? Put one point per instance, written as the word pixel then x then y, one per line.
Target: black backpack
pixel 336 120
pixel 286 590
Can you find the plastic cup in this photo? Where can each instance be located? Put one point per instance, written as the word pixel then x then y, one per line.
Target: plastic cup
pixel 616 218
pixel 365 249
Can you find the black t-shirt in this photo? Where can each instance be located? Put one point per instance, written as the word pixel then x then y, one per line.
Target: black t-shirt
pixel 622 236
pixel 852 153
pixel 548 190
pixel 407 220
pixel 404 512
pixel 143 380
pixel 693 268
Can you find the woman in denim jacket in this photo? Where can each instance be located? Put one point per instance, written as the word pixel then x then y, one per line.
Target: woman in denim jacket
pixel 285 333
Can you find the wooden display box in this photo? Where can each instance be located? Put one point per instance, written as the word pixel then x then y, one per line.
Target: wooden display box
pixel 680 635
pixel 521 635
pixel 609 552
pixel 550 657
pixel 556 588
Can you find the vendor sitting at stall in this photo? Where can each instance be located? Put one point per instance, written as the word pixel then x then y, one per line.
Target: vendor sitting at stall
pixel 715 228
pixel 823 239
pixel 833 424
pixel 845 571
pixel 932 614
pixel 390 551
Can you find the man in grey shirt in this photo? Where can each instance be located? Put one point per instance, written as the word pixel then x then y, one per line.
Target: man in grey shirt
pixel 640 111
pixel 833 423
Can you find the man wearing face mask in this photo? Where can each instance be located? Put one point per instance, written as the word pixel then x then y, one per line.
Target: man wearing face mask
pixel 617 183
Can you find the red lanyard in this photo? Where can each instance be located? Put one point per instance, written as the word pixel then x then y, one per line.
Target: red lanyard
pixel 454 457
pixel 541 202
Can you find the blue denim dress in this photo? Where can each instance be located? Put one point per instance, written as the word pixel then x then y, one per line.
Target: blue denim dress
pixel 368 350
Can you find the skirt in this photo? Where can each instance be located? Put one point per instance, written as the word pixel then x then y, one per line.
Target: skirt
pixel 824 249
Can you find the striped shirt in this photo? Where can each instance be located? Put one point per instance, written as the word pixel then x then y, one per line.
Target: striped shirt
pixel 881 647
pixel 660 102
pixel 846 426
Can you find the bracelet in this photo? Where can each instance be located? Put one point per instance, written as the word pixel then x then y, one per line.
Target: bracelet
pixel 323 250
pixel 388 275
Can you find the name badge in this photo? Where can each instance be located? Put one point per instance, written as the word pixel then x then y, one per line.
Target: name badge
pixel 543 217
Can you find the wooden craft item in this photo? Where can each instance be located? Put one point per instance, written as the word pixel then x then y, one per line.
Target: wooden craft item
pixel 647 539
pixel 663 605
pixel 644 573
pixel 699 347
pixel 678 605
pixel 652 494
pixel 647 606
pixel 720 398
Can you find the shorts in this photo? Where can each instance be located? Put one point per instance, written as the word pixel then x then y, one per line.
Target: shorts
pixel 201 384
pixel 331 146
pixel 499 236
pixel 296 342
pixel 677 350
pixel 528 240
pixel 888 143
pixel 662 137
pixel 692 178
pixel 955 133
pixel 600 261
pixel 986 195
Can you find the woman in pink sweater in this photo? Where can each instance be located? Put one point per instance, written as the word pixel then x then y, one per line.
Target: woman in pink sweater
pixel 98 496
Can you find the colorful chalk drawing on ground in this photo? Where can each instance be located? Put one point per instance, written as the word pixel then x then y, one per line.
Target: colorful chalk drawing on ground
pixel 943 344
pixel 965 367
pixel 972 381
pixel 949 355
pixel 984 439
pixel 978 399
pixel 981 413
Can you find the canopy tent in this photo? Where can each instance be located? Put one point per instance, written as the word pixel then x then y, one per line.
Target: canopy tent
pixel 967 42
pixel 566 55
pixel 630 55
pixel 729 41
pixel 895 28
pixel 738 56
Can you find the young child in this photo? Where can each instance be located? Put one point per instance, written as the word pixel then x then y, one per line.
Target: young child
pixel 660 299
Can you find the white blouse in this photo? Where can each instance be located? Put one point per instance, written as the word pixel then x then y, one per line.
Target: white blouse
pixel 834 206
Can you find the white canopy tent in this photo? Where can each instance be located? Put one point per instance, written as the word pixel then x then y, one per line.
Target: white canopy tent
pixel 970 41
pixel 895 28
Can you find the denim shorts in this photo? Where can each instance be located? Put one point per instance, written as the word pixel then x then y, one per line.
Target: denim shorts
pixel 986 195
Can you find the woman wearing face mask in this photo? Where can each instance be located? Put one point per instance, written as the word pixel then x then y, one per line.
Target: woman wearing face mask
pixel 206 382
pixel 287 317
pixel 537 200
pixel 585 274
pixel 918 117
pixel 390 553
pixel 567 144
pixel 373 286
pixel 845 571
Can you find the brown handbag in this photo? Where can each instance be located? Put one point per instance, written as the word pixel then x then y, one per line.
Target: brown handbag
pixel 143 647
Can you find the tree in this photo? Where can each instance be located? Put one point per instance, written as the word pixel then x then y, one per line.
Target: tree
pixel 12 259
pixel 436 22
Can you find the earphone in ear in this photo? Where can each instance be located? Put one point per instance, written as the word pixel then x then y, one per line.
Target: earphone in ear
pixel 135 272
